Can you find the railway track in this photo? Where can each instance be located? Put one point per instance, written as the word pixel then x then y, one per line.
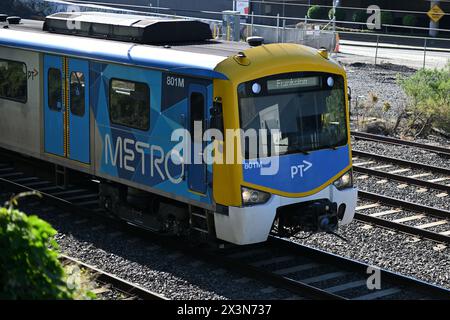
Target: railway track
pixel 306 272
pixel 108 282
pixel 374 165
pixel 416 213
pixel 324 275
pixel 378 138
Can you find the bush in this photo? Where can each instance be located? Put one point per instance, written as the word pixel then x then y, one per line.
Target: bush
pixel 340 14
pixel 409 20
pixel 387 17
pixel 29 265
pixel 317 12
pixel 429 100
pixel 359 16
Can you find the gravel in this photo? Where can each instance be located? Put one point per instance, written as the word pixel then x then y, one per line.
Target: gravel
pixel 393 167
pixel 380 80
pixel 402 152
pixel 165 271
pixel 410 193
pixel 388 249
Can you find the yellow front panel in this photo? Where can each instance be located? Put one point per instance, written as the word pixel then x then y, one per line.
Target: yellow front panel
pixel 259 62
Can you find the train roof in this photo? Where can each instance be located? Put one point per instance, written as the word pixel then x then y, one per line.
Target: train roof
pixel 196 59
pixel 128 28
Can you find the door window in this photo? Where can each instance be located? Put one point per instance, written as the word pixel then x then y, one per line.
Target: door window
pixel 77 93
pixel 197 101
pixel 54 89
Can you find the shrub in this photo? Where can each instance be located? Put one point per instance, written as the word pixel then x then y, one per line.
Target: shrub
pixel 317 12
pixel 409 20
pixel 340 14
pixel 387 17
pixel 429 100
pixel 359 16
pixel 29 266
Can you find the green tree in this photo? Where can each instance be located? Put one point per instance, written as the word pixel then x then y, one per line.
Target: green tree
pixel 387 17
pixel 317 12
pixel 359 16
pixel 409 20
pixel 340 14
pixel 29 265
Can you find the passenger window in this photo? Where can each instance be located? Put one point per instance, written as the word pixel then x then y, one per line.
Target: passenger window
pixel 77 93
pixel 54 89
pixel 130 104
pixel 197 101
pixel 13 80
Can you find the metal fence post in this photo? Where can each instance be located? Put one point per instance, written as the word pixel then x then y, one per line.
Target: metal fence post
pixel 424 52
pixel 283 36
pixel 278 27
pixel 252 25
pixel 376 50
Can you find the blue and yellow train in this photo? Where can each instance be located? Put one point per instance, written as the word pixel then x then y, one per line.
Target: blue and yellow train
pixel 103 94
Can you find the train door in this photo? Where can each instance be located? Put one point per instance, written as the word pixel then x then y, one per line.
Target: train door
pixel 66 108
pixel 197 110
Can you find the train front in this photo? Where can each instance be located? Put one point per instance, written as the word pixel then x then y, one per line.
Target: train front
pixel 288 169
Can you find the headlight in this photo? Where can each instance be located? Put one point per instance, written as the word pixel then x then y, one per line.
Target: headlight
pixel 252 196
pixel 345 181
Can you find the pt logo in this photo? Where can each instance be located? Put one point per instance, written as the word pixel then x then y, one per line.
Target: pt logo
pixel 300 169
pixel 32 74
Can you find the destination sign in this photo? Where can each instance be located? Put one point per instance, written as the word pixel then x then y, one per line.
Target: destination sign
pixel 292 83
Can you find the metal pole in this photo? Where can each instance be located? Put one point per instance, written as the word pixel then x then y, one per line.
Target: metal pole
pixel 334 23
pixel 433 25
pixel 252 24
pixel 376 50
pixel 424 52
pixel 284 31
pixel 278 27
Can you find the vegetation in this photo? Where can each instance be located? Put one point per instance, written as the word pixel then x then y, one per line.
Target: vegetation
pixel 429 100
pixel 29 265
pixel 340 14
pixel 359 16
pixel 387 17
pixel 317 12
pixel 426 110
pixel 410 20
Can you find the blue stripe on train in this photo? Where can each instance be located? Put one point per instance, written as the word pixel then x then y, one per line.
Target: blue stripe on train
pixel 298 173
pixel 143 157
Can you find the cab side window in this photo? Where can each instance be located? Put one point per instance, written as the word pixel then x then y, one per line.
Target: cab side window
pixel 129 104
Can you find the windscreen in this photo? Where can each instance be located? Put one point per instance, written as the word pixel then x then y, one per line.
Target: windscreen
pixel 306 109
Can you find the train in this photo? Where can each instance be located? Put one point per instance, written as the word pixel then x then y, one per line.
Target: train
pixel 185 134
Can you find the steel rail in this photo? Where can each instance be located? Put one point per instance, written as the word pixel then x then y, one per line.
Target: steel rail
pixel 260 273
pixel 423 233
pixel 432 211
pixel 402 162
pixel 122 285
pixel 390 140
pixel 212 257
pixel 360 267
pixel 400 178
pixel 441 213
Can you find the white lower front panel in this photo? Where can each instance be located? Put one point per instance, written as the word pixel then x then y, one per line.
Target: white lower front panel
pixel 249 225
